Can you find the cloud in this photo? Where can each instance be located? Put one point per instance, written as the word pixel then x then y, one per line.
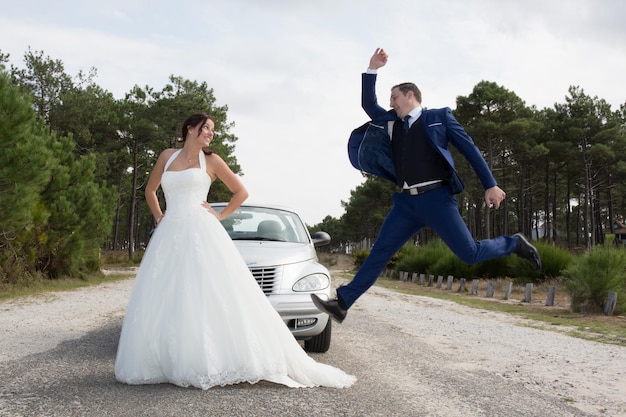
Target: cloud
pixel 289 71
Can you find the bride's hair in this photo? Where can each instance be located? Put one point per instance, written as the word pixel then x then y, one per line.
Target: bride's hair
pixel 192 121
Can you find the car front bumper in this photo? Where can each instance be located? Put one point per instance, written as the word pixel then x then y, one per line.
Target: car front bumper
pixel 299 314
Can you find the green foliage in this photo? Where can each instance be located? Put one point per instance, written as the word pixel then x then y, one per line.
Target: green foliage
pixel 554 260
pixel 593 275
pixel 393 262
pixel 80 213
pixel 423 258
pixel 23 175
pixel 56 216
pixel 23 161
pixel 494 268
pixel 520 269
pixel 358 257
pixel 436 258
pixel 450 264
pixel 333 227
pixel 44 80
pixel 368 206
pixel 124 136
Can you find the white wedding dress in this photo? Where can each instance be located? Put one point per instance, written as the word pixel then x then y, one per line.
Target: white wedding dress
pixel 196 315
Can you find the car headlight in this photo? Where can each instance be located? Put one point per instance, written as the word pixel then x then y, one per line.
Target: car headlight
pixel 313 282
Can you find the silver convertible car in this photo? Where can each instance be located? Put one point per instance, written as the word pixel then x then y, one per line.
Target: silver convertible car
pixel 281 255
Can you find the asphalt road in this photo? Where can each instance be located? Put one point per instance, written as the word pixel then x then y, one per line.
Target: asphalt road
pixel 404 368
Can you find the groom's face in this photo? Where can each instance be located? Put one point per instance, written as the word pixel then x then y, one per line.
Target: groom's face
pixel 401 103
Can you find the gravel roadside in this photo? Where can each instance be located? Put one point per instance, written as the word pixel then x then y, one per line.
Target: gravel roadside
pixel 39 323
pixel 589 375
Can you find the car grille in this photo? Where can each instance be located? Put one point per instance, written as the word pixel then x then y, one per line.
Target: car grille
pixel 265 277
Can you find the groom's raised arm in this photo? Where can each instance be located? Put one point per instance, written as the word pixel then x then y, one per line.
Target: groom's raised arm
pixel 369 102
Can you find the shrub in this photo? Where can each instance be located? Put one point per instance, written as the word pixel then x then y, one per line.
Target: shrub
pixel 421 258
pixel 435 258
pixel 554 260
pixel 450 264
pixel 406 258
pixel 393 262
pixel 358 257
pixel 592 276
pixel 494 268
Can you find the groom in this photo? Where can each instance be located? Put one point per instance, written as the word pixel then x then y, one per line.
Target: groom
pixel 409 145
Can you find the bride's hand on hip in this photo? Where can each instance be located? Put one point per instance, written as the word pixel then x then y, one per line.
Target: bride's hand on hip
pixel 211 210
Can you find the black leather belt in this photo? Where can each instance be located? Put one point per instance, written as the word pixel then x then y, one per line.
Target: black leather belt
pixel 423 189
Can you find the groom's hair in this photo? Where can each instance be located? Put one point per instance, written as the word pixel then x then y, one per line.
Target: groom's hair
pixel 406 87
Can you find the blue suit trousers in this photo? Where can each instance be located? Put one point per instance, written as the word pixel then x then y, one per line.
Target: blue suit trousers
pixel 437 209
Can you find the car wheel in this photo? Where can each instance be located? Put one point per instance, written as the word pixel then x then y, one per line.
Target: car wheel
pixel 321 342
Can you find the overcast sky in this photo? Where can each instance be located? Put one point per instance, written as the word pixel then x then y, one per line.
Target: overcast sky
pixel 289 70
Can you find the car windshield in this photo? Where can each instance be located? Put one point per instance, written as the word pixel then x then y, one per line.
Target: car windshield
pixel 262 223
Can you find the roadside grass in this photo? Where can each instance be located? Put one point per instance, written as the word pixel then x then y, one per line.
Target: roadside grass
pixel 557 318
pixel 116 267
pixel 40 287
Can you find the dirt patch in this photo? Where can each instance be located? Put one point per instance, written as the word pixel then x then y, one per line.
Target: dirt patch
pixel 336 261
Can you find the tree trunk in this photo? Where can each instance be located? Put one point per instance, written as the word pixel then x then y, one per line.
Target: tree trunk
pixel 554 235
pixel 546 206
pixel 118 209
pixel 132 207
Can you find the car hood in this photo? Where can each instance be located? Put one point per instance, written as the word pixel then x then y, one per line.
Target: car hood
pixel 264 253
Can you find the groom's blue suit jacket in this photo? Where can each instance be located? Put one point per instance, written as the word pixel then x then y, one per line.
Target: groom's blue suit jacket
pixel 369 146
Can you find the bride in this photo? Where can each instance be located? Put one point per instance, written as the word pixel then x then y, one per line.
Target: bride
pixel 196 316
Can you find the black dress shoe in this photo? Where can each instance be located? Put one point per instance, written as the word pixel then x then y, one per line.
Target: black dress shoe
pixel 527 251
pixel 334 308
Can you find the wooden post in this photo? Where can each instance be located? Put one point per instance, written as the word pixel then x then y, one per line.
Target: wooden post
pixel 611 302
pixel 403 276
pixel 431 279
pixel 551 294
pixel 422 279
pixel 491 286
pixel 414 277
pixel 439 281
pixel 507 290
pixel 450 281
pixel 474 287
pixel 528 296
pixel 461 286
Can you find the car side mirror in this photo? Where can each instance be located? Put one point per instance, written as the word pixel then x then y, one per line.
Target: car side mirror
pixel 320 239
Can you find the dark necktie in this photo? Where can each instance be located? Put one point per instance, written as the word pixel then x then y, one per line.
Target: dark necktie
pixel 405 123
